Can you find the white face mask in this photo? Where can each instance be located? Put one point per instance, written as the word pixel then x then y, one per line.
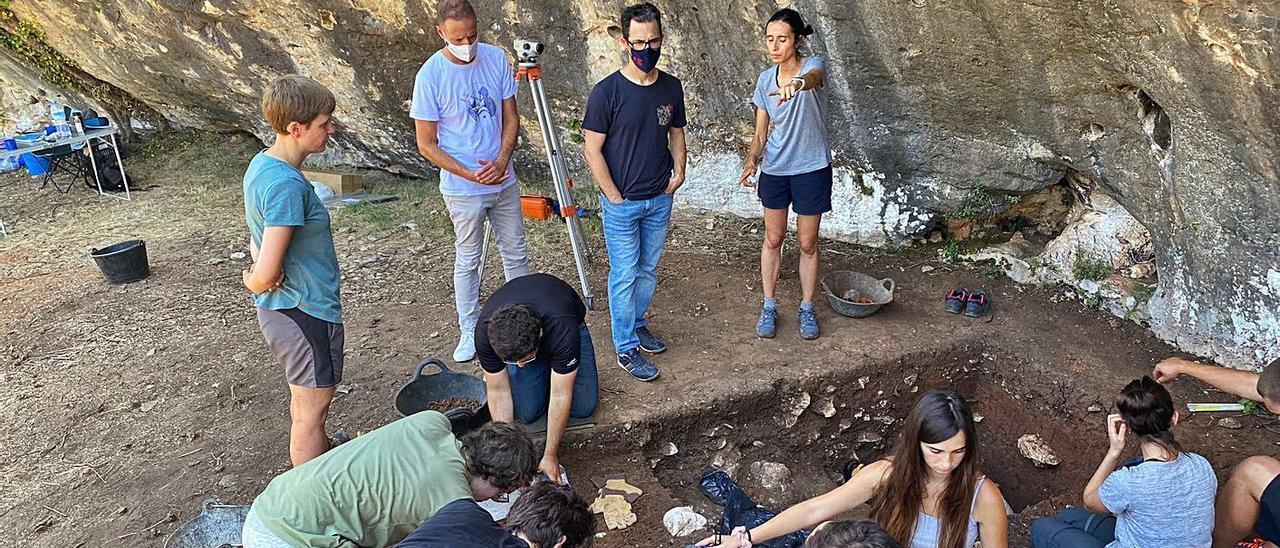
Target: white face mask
pixel 463 53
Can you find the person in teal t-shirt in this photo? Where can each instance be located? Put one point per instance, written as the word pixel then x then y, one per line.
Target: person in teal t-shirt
pixel 294 275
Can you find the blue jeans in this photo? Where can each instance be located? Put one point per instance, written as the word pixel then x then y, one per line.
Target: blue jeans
pixel 1074 528
pixel 634 234
pixel 531 385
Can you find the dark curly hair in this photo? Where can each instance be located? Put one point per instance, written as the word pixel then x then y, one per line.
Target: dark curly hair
pixel 548 511
pixel 514 331
pixel 849 533
pixel 502 454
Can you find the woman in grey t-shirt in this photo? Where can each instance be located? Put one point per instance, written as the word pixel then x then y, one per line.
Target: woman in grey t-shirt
pixel 790 148
pixel 1164 498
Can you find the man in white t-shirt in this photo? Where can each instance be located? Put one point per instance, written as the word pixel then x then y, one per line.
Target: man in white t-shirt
pixel 464 110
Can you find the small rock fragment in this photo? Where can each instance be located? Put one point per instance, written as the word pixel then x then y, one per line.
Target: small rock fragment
pixel 238 256
pixel 978 418
pixel 1035 449
pixel 869 437
pixel 845 424
pixel 1094 408
pixel 228 481
pixel 773 477
pixel 793 405
pixel 720 444
pixel 670 449
pixel 682 520
pixel 910 379
pixel 825 407
pixel 1230 423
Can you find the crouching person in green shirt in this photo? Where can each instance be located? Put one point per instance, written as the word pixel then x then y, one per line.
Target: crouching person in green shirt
pixel 376 489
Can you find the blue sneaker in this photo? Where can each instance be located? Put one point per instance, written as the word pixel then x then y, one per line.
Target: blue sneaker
pixel 976 305
pixel 633 361
pixel 648 342
pixel 767 326
pixel 808 319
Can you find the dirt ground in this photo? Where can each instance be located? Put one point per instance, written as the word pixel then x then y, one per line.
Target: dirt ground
pixel 128 405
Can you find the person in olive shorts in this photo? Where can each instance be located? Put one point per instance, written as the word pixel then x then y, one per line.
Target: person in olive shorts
pixel 791 139
pixel 294 275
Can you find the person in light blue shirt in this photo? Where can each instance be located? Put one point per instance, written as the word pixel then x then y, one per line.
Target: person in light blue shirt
pixel 294 276
pixel 790 148
pixel 465 119
pixel 1164 498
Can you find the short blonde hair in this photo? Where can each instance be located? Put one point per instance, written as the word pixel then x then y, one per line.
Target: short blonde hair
pixel 295 98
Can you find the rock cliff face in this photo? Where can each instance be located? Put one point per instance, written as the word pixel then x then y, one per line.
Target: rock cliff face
pixel 940 108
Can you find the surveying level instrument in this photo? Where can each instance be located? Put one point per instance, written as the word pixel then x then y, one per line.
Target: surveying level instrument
pixel 542 207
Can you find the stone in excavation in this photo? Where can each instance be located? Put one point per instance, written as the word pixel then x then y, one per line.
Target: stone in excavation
pixel 773 477
pixel 793 405
pixel 1230 423
pixel 682 520
pixel 1035 449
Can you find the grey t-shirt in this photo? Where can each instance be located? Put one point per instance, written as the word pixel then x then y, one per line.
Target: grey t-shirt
pixel 1162 503
pixel 798 139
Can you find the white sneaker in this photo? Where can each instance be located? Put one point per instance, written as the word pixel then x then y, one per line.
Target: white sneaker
pixel 466 350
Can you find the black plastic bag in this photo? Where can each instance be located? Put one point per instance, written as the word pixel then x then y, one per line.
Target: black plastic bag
pixel 740 510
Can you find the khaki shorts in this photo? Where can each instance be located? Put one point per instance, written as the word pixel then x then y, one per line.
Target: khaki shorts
pixel 310 349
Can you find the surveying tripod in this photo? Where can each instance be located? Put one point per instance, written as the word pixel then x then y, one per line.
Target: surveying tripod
pixel 541 207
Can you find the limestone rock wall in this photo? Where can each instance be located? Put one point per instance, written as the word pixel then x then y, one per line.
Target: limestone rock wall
pixel 1169 108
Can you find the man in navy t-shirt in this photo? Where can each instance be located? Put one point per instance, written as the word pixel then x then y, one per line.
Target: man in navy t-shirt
pixel 545 515
pixel 634 129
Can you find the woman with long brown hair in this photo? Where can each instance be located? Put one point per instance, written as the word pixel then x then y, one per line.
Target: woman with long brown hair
pixel 928 494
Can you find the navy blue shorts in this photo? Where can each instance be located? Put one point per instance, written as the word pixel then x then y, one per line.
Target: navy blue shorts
pixel 806 193
pixel 1268 525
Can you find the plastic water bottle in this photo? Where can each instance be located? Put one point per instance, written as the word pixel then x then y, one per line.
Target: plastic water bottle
pixel 55 109
pixel 58 117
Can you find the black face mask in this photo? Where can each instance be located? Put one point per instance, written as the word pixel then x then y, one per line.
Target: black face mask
pixel 645 59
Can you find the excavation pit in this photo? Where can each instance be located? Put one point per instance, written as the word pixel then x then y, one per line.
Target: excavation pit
pixel 789 442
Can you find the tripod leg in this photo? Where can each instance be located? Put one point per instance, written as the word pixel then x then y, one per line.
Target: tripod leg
pixel 560 180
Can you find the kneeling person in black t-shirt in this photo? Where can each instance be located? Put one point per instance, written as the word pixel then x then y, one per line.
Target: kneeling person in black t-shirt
pixel 545 516
pixel 536 352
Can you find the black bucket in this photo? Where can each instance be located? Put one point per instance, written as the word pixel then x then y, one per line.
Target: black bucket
pixel 422 390
pixel 123 262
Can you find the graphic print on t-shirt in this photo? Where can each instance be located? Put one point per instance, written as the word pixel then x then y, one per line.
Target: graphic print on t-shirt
pixel 664 114
pixel 480 105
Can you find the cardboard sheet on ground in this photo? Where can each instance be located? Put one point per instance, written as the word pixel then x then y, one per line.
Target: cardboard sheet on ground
pixel 540 426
